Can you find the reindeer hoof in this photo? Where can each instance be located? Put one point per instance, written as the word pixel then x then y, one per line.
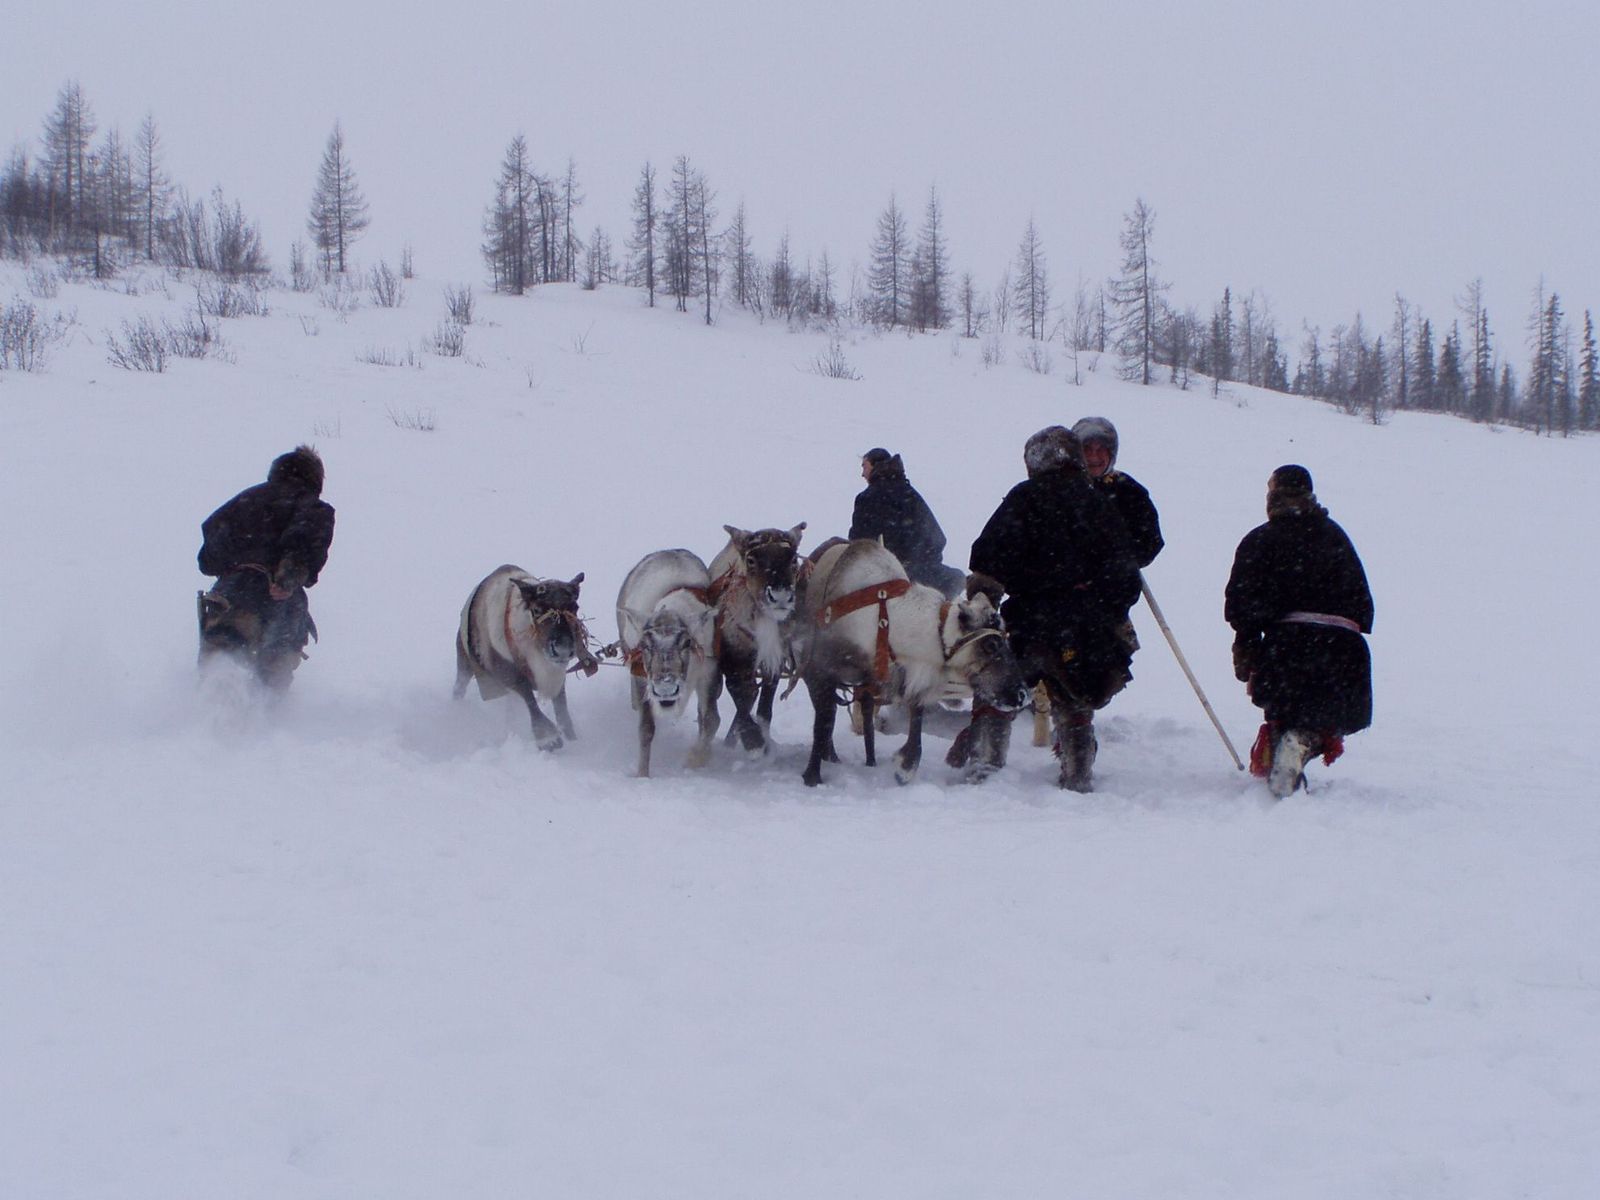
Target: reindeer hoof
pixel 699 757
pixel 905 772
pixel 551 743
pixel 812 776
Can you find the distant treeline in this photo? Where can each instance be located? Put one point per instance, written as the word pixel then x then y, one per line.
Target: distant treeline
pixel 108 202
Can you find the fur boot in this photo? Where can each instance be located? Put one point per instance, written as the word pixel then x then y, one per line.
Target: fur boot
pixel 1289 757
pixel 1075 747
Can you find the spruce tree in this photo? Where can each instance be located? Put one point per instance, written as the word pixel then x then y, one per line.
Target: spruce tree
pixel 643 244
pixel 338 209
pixel 1031 282
pixel 889 268
pixel 1588 388
pixel 1136 293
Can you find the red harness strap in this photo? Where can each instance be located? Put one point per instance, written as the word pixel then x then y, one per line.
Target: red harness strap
pixel 879 594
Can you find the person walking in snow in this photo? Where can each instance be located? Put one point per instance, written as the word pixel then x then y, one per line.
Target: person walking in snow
pixel 1059 552
pixel 891 509
pixel 1299 605
pixel 265 547
pixel 1098 438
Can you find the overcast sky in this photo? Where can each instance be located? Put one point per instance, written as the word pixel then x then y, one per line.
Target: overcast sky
pixel 1326 155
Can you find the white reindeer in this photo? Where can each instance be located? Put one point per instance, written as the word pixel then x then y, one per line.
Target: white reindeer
pixel 667 630
pixel 889 640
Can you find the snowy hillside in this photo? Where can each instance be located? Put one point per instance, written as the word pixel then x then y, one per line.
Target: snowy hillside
pixel 374 944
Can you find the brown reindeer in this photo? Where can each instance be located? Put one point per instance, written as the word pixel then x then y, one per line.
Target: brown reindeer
pixel 517 634
pixel 755 586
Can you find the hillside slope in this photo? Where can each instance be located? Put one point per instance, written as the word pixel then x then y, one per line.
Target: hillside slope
pixel 373 943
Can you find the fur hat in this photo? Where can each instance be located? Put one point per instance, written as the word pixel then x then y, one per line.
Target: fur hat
pixel 1098 429
pixel 1053 448
pixel 876 455
pixel 1291 478
pixel 301 468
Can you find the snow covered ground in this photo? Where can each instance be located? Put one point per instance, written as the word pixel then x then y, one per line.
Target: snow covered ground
pixel 374 944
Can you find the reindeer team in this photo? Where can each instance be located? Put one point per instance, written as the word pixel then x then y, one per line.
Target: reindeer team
pixel 848 622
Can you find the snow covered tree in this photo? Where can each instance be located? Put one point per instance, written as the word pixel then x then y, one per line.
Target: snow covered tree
pixel 338 209
pixel 1480 370
pixel 1450 386
pixel 738 250
pixel 930 307
pixel 781 280
pixel 508 226
pixel 67 134
pixel 1401 330
pixel 571 245
pixel 889 268
pixel 642 243
pixel 1135 293
pixel 691 255
pixel 1031 283
pixel 1425 379
pixel 152 188
pixel 599 263
pixel 1588 385
pixel 1220 357
pixel 1547 377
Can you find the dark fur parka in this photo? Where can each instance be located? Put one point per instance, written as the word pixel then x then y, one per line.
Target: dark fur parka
pixel 1315 677
pixel 282 525
pixel 890 508
pixel 1062 553
pixel 1132 501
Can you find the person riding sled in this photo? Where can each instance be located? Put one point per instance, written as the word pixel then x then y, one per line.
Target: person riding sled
pixel 1299 605
pixel 891 509
pixel 265 547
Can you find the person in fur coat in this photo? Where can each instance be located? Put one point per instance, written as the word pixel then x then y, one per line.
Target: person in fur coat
pixel 265 547
pixel 1300 608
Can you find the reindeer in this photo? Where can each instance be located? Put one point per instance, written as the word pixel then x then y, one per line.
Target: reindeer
pixel 666 629
pixel 873 631
pixel 755 582
pixel 518 633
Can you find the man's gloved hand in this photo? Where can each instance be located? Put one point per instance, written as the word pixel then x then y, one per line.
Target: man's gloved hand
pixel 1244 656
pixel 289 577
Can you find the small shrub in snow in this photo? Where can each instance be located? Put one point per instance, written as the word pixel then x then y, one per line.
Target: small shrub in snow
pixel 832 364
pixel 146 346
pixel 1036 358
pixel 43 283
pixel 310 326
pixel 385 285
pixel 143 346
pixel 25 336
pixel 223 299
pixel 407 268
pixel 302 275
pixel 384 357
pixel 449 340
pixel 993 355
pixel 420 420
pixel 458 304
pixel 340 297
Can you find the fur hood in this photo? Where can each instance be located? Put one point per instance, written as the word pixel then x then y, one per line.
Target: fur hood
pixel 1098 429
pixel 301 469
